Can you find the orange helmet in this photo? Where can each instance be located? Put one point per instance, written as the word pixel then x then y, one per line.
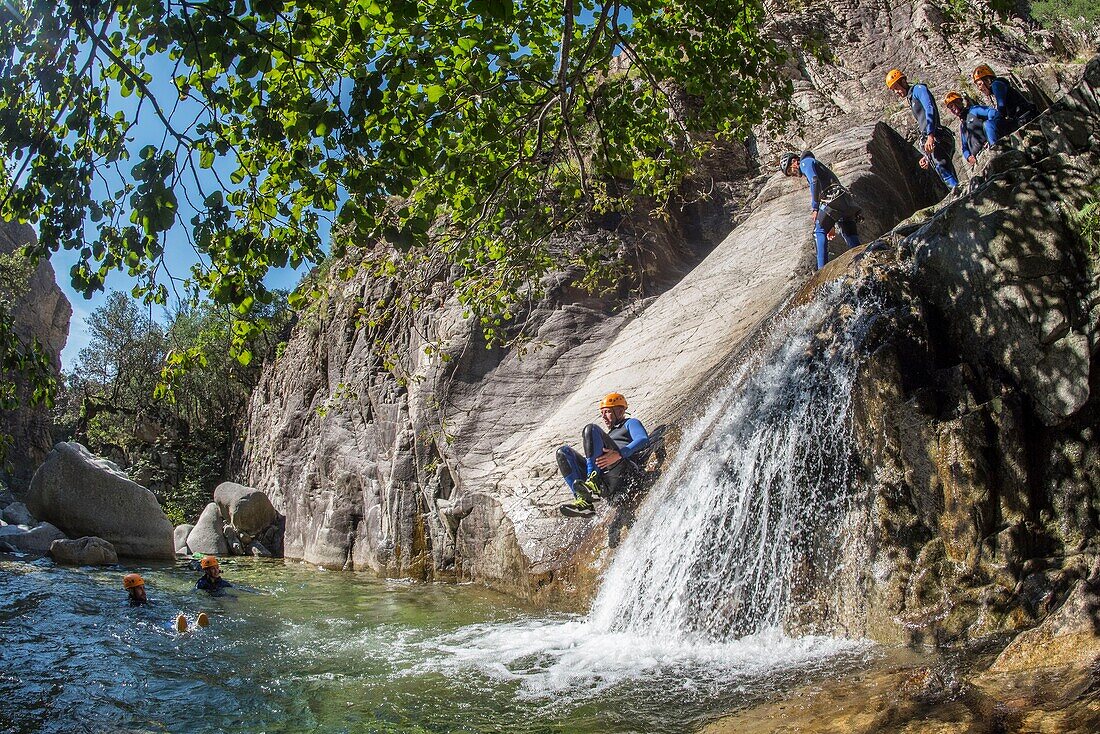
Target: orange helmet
pixel 131 580
pixel 951 98
pixel 893 77
pixel 613 400
pixel 981 71
pixel 209 562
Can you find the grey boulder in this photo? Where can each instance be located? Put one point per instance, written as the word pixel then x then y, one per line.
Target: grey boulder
pixel 30 540
pixel 208 535
pixel 88 551
pixel 246 509
pixel 85 495
pixel 179 538
pixel 17 514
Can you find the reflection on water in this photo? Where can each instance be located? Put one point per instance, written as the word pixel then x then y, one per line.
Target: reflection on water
pixel 338 652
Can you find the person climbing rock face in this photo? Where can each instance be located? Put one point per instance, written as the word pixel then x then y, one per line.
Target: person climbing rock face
pixel 1013 107
pixel 135 589
pixel 937 143
pixel 610 464
pixel 211 580
pixel 977 125
pixel 830 203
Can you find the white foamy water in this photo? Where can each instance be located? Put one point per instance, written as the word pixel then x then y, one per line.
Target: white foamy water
pixel 572 660
pixel 702 588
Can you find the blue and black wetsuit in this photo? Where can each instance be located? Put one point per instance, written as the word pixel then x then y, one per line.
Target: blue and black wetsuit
pixel 927 116
pixel 837 209
pixel 630 439
pixel 211 585
pixel 978 129
pixel 1014 108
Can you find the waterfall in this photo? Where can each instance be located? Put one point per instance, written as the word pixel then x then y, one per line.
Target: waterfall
pixel 755 502
pixel 739 543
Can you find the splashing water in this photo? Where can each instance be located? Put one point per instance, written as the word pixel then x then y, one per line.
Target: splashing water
pixel 762 493
pixel 757 499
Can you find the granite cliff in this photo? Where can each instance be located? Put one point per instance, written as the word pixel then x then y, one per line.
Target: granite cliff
pixel 445 469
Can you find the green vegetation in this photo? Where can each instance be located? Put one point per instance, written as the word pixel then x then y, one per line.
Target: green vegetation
pixel 1086 223
pixel 1077 14
pixel 178 444
pixel 480 127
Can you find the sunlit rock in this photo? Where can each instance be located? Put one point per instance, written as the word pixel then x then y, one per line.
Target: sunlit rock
pixel 246 509
pixel 208 533
pixel 30 540
pixel 85 495
pixel 83 552
pixel 179 538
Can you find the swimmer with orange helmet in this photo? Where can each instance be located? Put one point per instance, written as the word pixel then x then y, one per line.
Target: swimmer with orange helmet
pixel 134 585
pixel 211 580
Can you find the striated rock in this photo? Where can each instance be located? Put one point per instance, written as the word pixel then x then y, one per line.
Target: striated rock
pixel 452 474
pixel 179 539
pixel 246 509
pixel 30 540
pixel 442 467
pixel 85 495
pixel 17 514
pixel 42 313
pixel 83 552
pixel 208 534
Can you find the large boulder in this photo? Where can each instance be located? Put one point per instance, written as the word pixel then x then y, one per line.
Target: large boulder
pixel 17 514
pixel 208 535
pixel 84 494
pixel 179 538
pixel 83 552
pixel 30 540
pixel 246 509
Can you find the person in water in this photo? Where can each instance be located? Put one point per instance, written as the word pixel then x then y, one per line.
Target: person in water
pixel 831 204
pixel 135 589
pixel 211 580
pixel 977 125
pixel 611 458
pixel 937 143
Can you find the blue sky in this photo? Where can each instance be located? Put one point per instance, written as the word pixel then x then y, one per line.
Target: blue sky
pixel 180 256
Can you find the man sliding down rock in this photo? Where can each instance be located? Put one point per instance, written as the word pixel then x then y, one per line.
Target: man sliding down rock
pixel 610 465
pixel 831 204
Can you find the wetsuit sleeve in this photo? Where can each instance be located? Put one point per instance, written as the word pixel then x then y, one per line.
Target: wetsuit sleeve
pixel 999 91
pixel 962 137
pixel 639 439
pixel 924 97
pixel 202 584
pixel 992 118
pixel 809 169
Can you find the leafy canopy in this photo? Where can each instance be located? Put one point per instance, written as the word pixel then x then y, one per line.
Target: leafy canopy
pixel 481 126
